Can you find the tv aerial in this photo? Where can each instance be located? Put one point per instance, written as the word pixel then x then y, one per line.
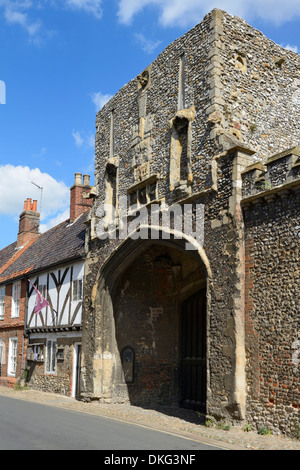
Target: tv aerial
pixel 41 189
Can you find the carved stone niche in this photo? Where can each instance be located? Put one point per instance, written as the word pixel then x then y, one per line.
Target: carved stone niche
pixel 144 80
pixel 142 172
pixel 181 177
pixel 240 62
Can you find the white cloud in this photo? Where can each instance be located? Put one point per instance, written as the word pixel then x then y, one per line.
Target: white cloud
pixel 99 99
pixel 20 12
pixel 16 186
pixel 188 12
pixel 78 139
pixel 58 219
pixel 14 13
pixel 146 44
pixel 89 6
pixel 291 48
pixel 84 139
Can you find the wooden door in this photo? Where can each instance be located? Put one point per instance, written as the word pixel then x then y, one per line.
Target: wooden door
pixel 193 387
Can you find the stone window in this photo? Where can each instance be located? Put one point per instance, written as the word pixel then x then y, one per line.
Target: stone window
pixel 110 192
pixel 142 194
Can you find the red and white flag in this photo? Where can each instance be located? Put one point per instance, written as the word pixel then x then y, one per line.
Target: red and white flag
pixel 40 302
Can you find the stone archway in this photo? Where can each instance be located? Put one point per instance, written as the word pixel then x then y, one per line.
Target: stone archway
pixel 139 300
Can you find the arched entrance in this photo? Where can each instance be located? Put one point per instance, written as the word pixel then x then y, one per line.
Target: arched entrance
pixel 153 335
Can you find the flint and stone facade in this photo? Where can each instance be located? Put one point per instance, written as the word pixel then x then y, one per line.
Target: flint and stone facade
pixel 212 122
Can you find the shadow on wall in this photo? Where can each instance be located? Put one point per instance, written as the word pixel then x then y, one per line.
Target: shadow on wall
pixel 159 324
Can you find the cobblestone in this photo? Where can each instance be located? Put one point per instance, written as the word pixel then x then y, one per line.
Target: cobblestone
pixel 170 419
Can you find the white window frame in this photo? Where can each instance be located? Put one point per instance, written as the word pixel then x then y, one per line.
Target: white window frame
pixel 77 290
pixel 2 355
pixel 12 357
pixel 50 363
pixel 2 302
pixel 16 298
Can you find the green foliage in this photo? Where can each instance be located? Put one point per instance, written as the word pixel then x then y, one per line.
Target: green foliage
pixel 247 428
pixel 209 422
pixel 223 425
pixel 264 431
pixel 296 433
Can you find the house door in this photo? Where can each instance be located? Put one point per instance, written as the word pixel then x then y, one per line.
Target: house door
pixel 193 323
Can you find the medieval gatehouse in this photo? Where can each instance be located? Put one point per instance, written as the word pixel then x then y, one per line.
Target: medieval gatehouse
pixel 192 252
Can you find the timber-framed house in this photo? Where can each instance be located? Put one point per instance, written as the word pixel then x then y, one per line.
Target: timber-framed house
pixel 43 348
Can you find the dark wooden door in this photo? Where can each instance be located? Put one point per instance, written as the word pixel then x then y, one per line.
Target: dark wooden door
pixel 193 387
pixel 78 362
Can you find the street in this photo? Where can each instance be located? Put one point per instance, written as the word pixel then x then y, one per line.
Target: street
pixel 30 426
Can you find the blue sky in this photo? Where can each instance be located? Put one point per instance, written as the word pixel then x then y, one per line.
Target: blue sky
pixel 60 60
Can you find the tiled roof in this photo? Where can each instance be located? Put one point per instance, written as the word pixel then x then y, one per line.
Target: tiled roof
pixel 6 254
pixel 60 244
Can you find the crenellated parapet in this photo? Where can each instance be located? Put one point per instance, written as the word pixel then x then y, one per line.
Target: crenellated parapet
pixel 280 172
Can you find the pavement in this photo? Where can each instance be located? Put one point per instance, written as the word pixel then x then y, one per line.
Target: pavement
pixel 169 419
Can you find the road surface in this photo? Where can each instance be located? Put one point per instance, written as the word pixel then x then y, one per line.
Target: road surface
pixel 26 425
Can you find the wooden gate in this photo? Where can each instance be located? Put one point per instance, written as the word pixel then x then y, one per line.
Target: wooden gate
pixel 193 387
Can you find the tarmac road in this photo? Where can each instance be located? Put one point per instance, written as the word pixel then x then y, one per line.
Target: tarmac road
pixel 26 425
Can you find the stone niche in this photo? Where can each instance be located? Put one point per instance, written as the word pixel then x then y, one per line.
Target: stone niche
pixel 180 160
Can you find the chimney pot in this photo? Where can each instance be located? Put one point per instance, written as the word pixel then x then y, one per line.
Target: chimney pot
pixel 86 180
pixel 80 201
pixel 78 179
pixel 29 223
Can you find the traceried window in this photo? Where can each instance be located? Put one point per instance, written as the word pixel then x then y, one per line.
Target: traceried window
pixel 51 356
pixel 16 297
pixel 12 356
pixel 77 290
pixel 144 194
pixel 2 302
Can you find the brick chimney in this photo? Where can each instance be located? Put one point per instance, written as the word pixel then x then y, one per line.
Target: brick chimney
pixel 81 200
pixel 29 223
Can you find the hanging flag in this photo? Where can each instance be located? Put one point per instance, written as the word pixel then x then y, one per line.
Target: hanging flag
pixel 40 302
